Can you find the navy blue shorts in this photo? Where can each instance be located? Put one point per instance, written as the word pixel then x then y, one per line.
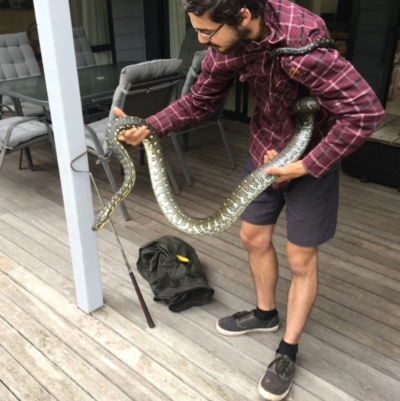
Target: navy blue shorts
pixel 311 207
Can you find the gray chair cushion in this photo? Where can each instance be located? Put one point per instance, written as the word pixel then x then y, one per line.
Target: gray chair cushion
pixel 83 51
pixel 22 132
pixel 17 59
pixel 194 71
pixel 141 72
pixel 190 45
pixel 131 73
pixel 28 109
pixel 99 128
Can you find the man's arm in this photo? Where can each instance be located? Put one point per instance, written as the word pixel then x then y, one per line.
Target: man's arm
pixel 207 93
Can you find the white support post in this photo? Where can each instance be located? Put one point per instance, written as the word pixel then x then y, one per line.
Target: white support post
pixel 58 54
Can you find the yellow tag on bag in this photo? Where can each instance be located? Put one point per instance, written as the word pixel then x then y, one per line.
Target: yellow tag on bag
pixel 182 259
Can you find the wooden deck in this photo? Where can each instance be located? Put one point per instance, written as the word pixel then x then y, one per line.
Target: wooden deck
pixel 50 350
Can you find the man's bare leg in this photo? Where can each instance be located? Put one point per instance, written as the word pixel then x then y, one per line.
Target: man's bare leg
pixel 278 379
pixel 303 289
pixel 263 262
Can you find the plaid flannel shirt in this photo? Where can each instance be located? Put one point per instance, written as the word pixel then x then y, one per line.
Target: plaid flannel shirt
pixel 350 110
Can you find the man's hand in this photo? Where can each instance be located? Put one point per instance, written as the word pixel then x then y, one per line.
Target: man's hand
pixel 133 136
pixel 289 172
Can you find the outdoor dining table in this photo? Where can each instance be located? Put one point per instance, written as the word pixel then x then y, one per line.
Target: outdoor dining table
pixel 95 83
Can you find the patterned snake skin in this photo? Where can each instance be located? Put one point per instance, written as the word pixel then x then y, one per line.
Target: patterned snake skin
pixel 298 51
pixel 244 193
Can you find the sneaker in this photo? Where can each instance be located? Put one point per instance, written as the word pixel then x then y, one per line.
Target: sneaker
pixel 277 381
pixel 246 322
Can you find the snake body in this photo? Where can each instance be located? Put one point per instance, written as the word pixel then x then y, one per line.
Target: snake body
pixel 298 51
pixel 250 187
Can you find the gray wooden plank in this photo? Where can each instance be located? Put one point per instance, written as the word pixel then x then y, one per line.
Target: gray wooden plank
pixel 124 350
pixel 318 357
pixel 7 264
pixel 377 328
pixel 92 384
pixel 17 379
pixel 243 359
pixel 72 291
pixel 112 370
pixel 5 393
pixel 197 374
pixel 46 373
pixel 212 388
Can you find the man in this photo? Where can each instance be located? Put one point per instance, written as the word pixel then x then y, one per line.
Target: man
pixel 241 35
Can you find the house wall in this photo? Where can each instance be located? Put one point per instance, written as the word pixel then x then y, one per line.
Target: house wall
pixel 129 30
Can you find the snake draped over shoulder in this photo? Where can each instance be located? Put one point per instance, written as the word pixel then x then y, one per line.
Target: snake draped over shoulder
pixel 250 187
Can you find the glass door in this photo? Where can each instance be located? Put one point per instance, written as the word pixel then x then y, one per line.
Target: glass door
pixel 95 17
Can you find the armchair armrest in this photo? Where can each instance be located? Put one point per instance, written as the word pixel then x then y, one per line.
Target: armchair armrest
pixel 7 107
pixel 96 144
pixel 12 126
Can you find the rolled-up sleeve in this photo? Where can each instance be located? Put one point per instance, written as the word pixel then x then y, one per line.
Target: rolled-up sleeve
pixel 336 85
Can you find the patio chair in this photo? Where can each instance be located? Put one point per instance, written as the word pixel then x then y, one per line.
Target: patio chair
pixel 17 60
pixel 189 47
pixel 143 90
pixel 18 133
pixel 215 118
pixel 83 50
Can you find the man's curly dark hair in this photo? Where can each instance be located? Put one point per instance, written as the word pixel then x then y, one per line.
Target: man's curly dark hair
pixel 224 11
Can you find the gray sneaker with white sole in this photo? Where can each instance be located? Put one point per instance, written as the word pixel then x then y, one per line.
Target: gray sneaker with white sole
pixel 277 381
pixel 246 322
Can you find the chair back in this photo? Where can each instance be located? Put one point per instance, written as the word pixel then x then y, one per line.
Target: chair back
pixel 83 51
pixel 189 47
pixel 146 88
pixel 17 59
pixel 191 79
pixel 194 72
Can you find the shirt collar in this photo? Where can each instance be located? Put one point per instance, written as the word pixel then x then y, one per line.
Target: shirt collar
pixel 272 22
pixel 275 36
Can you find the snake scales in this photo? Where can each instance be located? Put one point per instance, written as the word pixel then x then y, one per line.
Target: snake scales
pixel 250 187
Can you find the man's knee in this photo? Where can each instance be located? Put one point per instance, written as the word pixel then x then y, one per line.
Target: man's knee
pixel 302 260
pixel 256 238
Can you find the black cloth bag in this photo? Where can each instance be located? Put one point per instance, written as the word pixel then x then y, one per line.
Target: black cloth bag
pixel 174 272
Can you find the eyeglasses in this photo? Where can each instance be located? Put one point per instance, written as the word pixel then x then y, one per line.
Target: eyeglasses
pixel 210 35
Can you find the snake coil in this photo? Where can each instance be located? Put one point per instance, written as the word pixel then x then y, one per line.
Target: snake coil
pixel 250 187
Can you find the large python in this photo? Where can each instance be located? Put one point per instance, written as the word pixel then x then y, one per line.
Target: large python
pixel 250 187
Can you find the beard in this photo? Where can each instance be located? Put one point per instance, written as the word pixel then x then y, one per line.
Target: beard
pixel 240 36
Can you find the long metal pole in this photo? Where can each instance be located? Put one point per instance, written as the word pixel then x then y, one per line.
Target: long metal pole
pixel 131 275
